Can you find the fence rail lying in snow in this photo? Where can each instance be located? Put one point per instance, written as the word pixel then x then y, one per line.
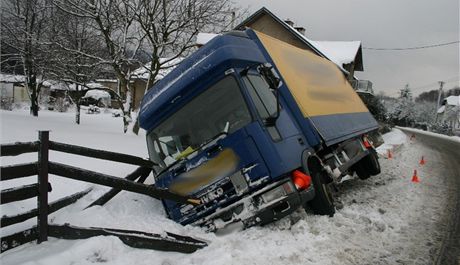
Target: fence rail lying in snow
pixel 40 190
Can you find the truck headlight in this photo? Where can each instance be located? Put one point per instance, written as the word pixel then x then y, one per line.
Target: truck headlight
pixel 273 194
pixel 277 192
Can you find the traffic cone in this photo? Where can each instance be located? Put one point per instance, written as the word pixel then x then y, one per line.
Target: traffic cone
pixel 415 177
pixel 390 156
pixel 422 161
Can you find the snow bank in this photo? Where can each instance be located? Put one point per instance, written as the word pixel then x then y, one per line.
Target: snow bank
pixel 392 140
pixel 454 139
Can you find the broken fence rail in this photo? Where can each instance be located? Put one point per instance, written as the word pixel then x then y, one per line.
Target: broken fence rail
pixel 136 239
pixel 40 190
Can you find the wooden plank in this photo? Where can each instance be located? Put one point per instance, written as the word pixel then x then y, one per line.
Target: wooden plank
pixel 53 207
pixel 17 239
pixel 18 148
pixel 101 154
pixel 42 200
pixel 142 172
pixel 20 193
pixel 131 238
pixel 118 183
pixel 18 171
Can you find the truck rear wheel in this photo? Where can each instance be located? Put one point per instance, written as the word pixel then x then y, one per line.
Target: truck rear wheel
pixel 368 166
pixel 323 202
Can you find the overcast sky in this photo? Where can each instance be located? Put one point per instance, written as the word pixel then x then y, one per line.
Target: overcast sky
pixel 384 24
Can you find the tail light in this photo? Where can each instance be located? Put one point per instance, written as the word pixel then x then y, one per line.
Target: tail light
pixel 366 142
pixel 301 180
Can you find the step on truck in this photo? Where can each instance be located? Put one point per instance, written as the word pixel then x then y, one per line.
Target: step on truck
pixel 254 128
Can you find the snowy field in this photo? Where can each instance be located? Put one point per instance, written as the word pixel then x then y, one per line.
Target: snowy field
pixel 386 219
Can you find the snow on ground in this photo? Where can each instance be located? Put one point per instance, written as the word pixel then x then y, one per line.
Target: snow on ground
pixel 385 220
pixel 392 141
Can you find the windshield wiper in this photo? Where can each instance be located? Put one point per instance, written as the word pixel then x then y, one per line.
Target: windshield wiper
pixel 223 132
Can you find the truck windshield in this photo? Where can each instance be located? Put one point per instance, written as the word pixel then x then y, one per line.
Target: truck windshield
pixel 204 117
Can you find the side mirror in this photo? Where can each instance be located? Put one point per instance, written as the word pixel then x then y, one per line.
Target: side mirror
pixel 270 75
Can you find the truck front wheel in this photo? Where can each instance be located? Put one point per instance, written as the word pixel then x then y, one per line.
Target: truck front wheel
pixel 323 202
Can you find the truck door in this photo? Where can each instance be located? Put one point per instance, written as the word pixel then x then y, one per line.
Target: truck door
pixel 281 144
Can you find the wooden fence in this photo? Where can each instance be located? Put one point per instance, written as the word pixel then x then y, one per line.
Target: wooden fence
pixel 43 167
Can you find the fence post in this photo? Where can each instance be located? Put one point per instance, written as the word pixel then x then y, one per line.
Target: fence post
pixel 42 199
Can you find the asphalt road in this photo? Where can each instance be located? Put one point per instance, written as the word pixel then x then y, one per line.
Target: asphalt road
pixel 449 153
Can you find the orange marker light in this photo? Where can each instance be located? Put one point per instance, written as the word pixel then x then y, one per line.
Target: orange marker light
pixel 301 180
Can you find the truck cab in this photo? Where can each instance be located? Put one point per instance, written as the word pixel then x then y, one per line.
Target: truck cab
pixel 226 127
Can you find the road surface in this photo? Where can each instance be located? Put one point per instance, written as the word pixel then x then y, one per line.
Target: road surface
pixel 448 159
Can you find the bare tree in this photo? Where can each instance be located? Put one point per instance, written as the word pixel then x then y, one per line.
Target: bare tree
pixel 23 25
pixel 170 28
pixel 73 39
pixel 114 21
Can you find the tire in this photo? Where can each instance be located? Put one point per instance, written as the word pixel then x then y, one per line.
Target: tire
pixel 323 202
pixel 368 166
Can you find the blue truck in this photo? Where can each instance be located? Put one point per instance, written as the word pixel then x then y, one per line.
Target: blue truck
pixel 254 128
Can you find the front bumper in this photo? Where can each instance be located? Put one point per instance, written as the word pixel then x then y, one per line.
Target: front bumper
pixel 252 210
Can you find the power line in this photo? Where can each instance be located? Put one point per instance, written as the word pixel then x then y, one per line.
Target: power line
pixel 413 48
pixel 450 80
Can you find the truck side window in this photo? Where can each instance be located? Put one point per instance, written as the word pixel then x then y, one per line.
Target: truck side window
pixel 261 94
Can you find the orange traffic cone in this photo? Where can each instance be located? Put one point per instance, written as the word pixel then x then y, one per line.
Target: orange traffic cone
pixel 415 177
pixel 422 161
pixel 389 154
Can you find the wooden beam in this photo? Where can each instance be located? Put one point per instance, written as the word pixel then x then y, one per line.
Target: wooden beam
pixel 53 207
pixel 142 172
pixel 18 148
pixel 20 193
pixel 118 183
pixel 42 199
pixel 18 171
pixel 19 238
pixel 106 155
pixel 131 238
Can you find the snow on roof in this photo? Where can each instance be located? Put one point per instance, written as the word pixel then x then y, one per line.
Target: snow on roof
pixel 8 78
pixel 341 52
pixel 95 85
pixel 441 109
pixel 143 72
pixel 97 94
pixel 453 100
pixel 204 38
pixel 317 46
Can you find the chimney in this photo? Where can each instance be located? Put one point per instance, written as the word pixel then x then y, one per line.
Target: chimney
pixel 289 22
pixel 301 30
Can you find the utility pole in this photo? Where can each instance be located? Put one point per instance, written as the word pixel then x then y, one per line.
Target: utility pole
pixel 441 84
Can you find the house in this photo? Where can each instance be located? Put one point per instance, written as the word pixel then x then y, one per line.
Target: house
pixel 449 113
pixel 347 55
pixel 140 77
pixel 12 90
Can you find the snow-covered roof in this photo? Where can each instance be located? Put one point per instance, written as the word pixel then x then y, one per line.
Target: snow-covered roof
pixel 204 38
pixel 95 85
pixel 340 52
pixel 143 72
pixel 346 49
pixel 8 78
pixel 442 109
pixel 453 100
pixel 97 94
